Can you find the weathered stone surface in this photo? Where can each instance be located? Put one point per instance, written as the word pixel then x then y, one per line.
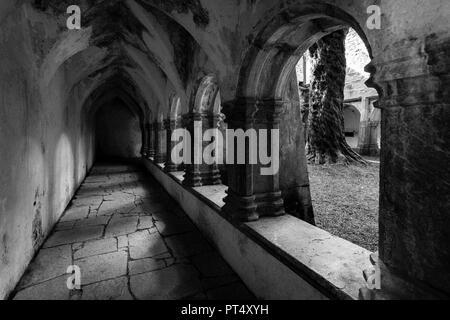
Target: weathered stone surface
pixel 142 244
pixel 75 213
pixel 107 261
pixel 175 282
pixel 55 289
pixel 74 235
pixel 109 208
pixel 121 226
pixel 103 267
pixel 48 264
pixel 93 221
pixel 116 289
pixel 145 265
pixel 145 222
pixel 122 242
pixel 91 201
pixel 61 226
pixel 96 247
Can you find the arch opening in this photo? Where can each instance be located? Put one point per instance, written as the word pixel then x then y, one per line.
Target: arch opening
pixel 268 81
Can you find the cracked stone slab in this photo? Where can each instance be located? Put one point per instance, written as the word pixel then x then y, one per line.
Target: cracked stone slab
pixel 96 247
pixel 93 221
pixel 176 282
pixel 119 226
pixel 48 264
pixel 75 213
pixel 104 267
pixel 145 265
pixel 122 242
pixel 142 245
pixel 145 222
pixel 87 200
pixel 116 289
pixel 109 208
pixel 73 236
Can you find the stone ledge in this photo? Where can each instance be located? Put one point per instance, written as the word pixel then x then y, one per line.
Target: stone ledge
pixel 278 258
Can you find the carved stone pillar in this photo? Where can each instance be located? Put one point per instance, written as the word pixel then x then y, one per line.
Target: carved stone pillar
pixel 151 141
pixel 160 156
pixel 414 253
pixel 171 125
pixel 251 194
pixel 197 172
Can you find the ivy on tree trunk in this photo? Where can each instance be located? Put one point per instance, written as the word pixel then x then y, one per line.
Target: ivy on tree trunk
pixel 326 139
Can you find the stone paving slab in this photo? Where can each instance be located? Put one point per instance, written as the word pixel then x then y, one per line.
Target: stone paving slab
pixel 142 245
pixel 116 289
pixel 48 264
pixel 93 248
pixel 145 265
pixel 103 267
pixel 75 213
pixel 74 235
pixel 121 226
pixel 55 289
pixel 176 282
pixel 130 241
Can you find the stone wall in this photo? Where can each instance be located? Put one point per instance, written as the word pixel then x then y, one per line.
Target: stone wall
pixel 45 147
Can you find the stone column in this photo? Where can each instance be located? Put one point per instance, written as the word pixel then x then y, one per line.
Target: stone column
pixel 294 179
pixel 171 125
pixel 160 156
pixel 144 132
pixel 368 133
pixel 151 141
pixel 414 252
pixel 200 174
pixel 250 194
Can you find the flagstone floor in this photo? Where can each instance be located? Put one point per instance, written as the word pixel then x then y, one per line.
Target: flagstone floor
pixel 129 241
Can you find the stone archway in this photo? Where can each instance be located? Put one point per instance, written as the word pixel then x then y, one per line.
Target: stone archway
pixel 205 109
pixel 264 101
pixel 352 122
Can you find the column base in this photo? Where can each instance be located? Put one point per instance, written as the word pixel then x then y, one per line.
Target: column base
pixel 270 204
pixel 192 177
pixel 171 167
pixel 240 208
pixel 159 158
pixel 197 178
pixel 150 154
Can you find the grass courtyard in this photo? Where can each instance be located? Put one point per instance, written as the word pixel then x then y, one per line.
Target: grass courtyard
pixel 345 200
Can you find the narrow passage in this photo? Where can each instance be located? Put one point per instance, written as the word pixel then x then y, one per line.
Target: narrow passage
pixel 130 240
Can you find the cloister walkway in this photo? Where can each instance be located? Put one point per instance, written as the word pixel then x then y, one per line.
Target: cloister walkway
pixel 130 241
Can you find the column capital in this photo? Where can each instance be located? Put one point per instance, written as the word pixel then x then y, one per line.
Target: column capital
pixel 408 80
pixel 245 112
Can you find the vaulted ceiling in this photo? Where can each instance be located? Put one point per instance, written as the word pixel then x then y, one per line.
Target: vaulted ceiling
pixel 133 48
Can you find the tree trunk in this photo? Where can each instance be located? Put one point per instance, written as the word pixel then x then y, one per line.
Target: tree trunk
pixel 326 139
